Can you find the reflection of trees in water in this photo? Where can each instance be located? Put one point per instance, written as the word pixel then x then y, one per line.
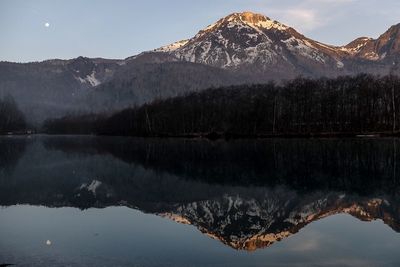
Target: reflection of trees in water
pixel 341 164
pixel 11 150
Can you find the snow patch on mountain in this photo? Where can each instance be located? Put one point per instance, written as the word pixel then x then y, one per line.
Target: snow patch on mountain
pixel 90 79
pixel 356 46
pixel 172 47
pixel 257 21
pixel 304 48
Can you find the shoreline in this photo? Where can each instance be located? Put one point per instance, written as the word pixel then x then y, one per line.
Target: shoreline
pixel 226 136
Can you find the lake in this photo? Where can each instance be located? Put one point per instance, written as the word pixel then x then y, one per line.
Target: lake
pixel 114 201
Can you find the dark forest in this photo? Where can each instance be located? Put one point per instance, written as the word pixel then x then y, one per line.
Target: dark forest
pixel 345 105
pixel 11 118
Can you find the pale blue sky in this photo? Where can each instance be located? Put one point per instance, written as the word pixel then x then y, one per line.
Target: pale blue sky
pixel 122 28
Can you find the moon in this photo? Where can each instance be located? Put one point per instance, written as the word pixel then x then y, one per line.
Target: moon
pixel 47 24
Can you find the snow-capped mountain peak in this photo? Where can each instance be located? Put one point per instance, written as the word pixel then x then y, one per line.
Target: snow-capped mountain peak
pixel 251 40
pixel 256 20
pixel 256 45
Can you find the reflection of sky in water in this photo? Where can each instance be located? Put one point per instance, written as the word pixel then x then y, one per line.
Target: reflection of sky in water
pixel 120 236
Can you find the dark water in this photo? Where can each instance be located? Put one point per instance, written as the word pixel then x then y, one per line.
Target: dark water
pixel 142 202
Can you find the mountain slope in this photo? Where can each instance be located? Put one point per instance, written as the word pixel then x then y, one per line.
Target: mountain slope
pixel 247 40
pixel 53 86
pixel 254 43
pixel 387 46
pixel 138 83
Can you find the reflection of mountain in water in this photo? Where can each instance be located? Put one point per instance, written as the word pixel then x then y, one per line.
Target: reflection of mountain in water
pixel 250 223
pixel 247 194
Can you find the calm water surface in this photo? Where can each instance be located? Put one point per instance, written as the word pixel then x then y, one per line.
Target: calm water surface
pixel 97 201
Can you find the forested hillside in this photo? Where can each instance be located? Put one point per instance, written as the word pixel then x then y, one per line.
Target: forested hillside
pixel 11 118
pixel 344 105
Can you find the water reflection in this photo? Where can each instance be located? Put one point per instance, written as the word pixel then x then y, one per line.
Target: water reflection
pixel 11 150
pixel 246 194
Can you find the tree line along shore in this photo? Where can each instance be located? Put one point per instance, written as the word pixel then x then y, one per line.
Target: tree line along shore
pixel 362 105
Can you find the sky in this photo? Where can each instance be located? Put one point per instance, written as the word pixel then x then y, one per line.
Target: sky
pixel 35 30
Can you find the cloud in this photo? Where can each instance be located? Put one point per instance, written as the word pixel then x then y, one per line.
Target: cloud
pixel 300 18
pixel 305 15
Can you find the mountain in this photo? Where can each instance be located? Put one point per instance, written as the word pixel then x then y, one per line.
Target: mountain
pixel 256 43
pixel 53 86
pixel 238 49
pixel 387 46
